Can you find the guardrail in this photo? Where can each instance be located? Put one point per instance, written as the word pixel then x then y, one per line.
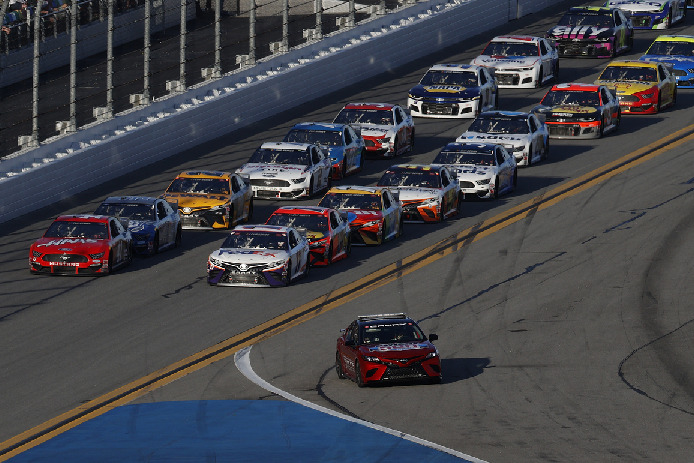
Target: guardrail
pixel 100 152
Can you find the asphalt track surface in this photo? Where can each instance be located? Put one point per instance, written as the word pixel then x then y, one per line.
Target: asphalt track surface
pixel 563 310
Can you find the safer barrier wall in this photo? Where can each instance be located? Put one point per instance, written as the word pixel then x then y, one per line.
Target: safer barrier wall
pixel 134 139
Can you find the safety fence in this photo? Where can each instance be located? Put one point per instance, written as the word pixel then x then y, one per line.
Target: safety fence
pixel 146 50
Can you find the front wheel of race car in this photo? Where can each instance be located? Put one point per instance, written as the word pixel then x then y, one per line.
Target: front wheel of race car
pixel 496 188
pixel 412 141
pixel 311 187
pixel 357 374
pixel 496 99
pixel 602 128
pixel 177 240
pixel 515 179
pixel 249 217
pixel 338 367
pixel 288 277
pixel 545 150
pixel 396 147
pixel 155 245
pixel 361 160
pixel 538 82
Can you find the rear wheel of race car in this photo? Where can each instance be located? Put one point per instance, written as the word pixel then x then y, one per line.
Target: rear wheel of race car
pixel 338 367
pixel 177 240
pixel 357 374
pixel 155 245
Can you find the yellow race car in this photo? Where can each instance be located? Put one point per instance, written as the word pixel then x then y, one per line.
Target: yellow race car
pixel 641 87
pixel 211 199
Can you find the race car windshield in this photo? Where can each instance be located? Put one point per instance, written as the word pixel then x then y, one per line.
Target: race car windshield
pixel 130 211
pixel 462 79
pixel 390 333
pixel 672 49
pixel 510 49
pixel 571 98
pixel 70 229
pixel 311 222
pixel 275 156
pixel 511 126
pixel 207 186
pixel 365 116
pixel 256 240
pixel 581 19
pixel 411 178
pixel 628 74
pixel 365 202
pixel 316 137
pixel 465 157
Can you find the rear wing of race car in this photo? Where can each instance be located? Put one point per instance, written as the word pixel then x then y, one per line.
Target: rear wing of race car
pixel 381 316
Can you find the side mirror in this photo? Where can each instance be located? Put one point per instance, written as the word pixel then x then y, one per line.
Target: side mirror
pixel 433 337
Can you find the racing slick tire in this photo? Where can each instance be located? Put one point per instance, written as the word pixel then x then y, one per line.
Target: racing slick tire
pixel 155 246
pixel 668 22
pixel 515 179
pixel 442 215
pixel 361 160
pixel 399 232
pixel 496 188
pixel 412 141
pixel 230 217
pixel 396 150
pixel 602 128
pixel 461 199
pixel 357 374
pixel 338 367
pixel 496 100
pixel 131 253
pixel 311 189
pixel 435 380
pixel 250 211
pixel 555 72
pixel 658 108
pixel 110 263
pixel 545 150
pixel 538 81
pixel 288 279
pixel 382 237
pixel 348 246
pixel 530 156
pixel 674 97
pixel 177 240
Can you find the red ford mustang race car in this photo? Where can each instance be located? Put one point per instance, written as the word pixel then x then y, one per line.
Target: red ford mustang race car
pixel 386 347
pixel 327 231
pixel 82 245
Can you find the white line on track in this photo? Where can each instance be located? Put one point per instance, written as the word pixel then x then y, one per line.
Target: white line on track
pixel 242 359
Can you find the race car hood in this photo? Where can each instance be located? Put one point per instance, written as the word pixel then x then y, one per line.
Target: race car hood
pixel 335 152
pixel 580 32
pixel 141 226
pixel 498 138
pixel 401 350
pixel 444 91
pixel 628 88
pixel 407 193
pixel 361 216
pixel 313 235
pixel 506 62
pixel 272 170
pixel 568 111
pixel 374 131
pixel 71 245
pixel 471 171
pixel 196 200
pixel 249 256
pixel 677 61
pixel 650 6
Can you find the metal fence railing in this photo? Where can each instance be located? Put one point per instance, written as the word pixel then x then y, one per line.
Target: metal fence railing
pixel 222 36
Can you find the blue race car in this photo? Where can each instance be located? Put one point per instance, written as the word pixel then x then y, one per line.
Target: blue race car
pixel 344 144
pixel 153 223
pixel 678 51
pixel 454 91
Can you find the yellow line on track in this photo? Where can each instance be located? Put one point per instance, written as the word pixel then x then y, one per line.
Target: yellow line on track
pixel 347 293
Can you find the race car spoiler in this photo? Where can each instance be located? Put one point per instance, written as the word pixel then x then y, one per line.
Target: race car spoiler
pixel 382 316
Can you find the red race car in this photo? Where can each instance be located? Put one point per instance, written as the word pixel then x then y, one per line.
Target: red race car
pixel 327 231
pixel 386 347
pixel 82 245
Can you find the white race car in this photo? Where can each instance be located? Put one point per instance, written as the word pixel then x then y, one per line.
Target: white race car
pixel 484 170
pixel 522 134
pixel 520 61
pixel 259 255
pixel 651 14
pixel 284 170
pixel 454 91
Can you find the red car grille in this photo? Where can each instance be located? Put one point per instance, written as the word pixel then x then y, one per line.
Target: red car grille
pixel 65 258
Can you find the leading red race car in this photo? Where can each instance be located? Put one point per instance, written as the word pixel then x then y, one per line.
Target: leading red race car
pixel 82 245
pixel 386 347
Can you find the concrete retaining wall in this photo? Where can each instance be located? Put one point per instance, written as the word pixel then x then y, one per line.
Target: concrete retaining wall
pixel 134 139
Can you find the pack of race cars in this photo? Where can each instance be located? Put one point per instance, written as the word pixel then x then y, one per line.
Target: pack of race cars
pixel 481 163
